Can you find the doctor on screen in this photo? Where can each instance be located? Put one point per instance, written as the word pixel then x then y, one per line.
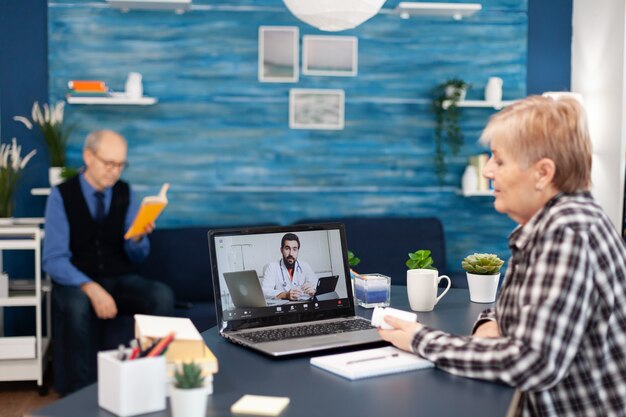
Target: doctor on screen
pixel 289 278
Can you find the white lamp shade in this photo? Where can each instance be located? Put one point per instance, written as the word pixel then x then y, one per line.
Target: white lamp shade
pixel 334 15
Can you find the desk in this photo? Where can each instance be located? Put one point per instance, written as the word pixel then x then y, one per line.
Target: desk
pixel 315 392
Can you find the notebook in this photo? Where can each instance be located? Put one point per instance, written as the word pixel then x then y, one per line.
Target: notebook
pixel 371 362
pixel 293 327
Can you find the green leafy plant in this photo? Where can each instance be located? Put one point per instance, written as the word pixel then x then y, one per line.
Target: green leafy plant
pixel 69 172
pixel 420 259
pixel 188 376
pixel 447 114
pixel 352 259
pixel 49 119
pixel 11 166
pixel 482 264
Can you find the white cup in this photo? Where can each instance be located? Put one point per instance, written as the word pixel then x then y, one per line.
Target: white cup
pixel 421 286
pixel 482 288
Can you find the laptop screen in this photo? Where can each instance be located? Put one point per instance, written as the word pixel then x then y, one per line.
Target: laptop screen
pixel 266 276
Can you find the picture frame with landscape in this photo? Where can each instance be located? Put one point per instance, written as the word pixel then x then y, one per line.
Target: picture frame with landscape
pixel 278 54
pixel 316 109
pixel 330 55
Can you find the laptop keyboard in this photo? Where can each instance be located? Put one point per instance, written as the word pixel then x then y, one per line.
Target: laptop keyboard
pixel 317 329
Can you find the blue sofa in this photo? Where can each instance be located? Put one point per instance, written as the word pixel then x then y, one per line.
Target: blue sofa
pixel 383 244
pixel 179 257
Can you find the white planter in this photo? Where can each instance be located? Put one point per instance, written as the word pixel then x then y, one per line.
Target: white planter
pixel 482 288
pixel 188 402
pixel 54 176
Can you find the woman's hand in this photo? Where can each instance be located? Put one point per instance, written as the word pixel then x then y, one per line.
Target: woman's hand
pixel 402 334
pixel 488 329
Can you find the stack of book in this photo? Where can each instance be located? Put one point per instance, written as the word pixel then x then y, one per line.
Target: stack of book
pixel 87 88
pixel 187 346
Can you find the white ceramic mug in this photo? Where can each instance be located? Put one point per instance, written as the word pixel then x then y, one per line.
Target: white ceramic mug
pixel 493 90
pixel 421 287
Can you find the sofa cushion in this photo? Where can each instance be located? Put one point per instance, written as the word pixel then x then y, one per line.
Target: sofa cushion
pixel 179 257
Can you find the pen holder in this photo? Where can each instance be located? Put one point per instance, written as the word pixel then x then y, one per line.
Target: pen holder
pixel 372 290
pixel 131 387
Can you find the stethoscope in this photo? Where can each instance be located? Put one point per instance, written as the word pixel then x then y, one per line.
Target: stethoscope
pixel 282 274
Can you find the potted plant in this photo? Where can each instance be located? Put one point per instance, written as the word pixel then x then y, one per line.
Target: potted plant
pixel 483 275
pixel 352 259
pixel 447 114
pixel 11 166
pixel 49 119
pixel 188 396
pixel 420 259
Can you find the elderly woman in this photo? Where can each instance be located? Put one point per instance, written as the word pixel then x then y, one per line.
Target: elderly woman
pixel 558 332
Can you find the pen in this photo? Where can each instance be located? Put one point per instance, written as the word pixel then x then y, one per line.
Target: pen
pixel 144 352
pixel 121 355
pixel 161 346
pixel 375 358
pixel 135 351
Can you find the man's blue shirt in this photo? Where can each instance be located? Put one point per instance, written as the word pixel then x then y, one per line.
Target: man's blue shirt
pixel 56 249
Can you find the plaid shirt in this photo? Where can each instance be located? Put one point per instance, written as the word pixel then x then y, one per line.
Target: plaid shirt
pixel 561 313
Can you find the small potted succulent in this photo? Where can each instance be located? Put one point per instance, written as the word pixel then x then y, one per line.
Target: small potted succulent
pixel 188 396
pixel 483 275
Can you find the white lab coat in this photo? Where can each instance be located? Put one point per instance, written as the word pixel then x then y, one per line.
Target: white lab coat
pixel 276 277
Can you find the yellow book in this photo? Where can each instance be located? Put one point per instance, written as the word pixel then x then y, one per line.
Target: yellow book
pixel 150 209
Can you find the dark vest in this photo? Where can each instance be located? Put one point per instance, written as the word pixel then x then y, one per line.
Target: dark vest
pixel 97 249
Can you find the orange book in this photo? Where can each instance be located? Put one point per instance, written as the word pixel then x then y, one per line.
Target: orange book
pixel 92 86
pixel 150 209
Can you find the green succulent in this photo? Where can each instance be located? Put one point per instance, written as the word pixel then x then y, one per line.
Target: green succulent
pixel 420 260
pixel 188 376
pixel 352 259
pixel 482 264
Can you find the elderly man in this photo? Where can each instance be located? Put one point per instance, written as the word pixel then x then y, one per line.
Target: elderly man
pixel 90 263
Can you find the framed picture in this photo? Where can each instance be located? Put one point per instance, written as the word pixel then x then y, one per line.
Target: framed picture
pixel 278 54
pixel 330 55
pixel 316 109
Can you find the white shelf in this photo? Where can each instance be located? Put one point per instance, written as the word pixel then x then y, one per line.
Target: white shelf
pixel 40 191
pixel 484 193
pixel 179 6
pixel 118 99
pixel 456 11
pixel 479 103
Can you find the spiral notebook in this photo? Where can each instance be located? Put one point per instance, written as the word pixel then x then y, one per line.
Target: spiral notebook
pixel 371 362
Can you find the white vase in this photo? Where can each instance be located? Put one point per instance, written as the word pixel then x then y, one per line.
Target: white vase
pixel 134 87
pixel 493 90
pixel 188 402
pixel 469 181
pixel 482 288
pixel 54 176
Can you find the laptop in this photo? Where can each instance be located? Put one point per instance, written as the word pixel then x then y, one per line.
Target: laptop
pixel 245 290
pixel 297 326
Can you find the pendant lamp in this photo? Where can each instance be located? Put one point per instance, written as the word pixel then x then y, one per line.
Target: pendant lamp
pixel 334 15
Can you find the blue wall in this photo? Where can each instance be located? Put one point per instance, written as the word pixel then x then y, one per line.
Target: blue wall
pixel 221 138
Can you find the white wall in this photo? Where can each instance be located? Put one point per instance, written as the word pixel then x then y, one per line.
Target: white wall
pixel 598 62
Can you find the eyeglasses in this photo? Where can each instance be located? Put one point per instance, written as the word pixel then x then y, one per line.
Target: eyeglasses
pixel 111 164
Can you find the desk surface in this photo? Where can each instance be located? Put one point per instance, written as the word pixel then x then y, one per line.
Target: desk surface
pixel 315 392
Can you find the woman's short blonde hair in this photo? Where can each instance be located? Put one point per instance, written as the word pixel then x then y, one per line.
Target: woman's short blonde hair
pixel 544 127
